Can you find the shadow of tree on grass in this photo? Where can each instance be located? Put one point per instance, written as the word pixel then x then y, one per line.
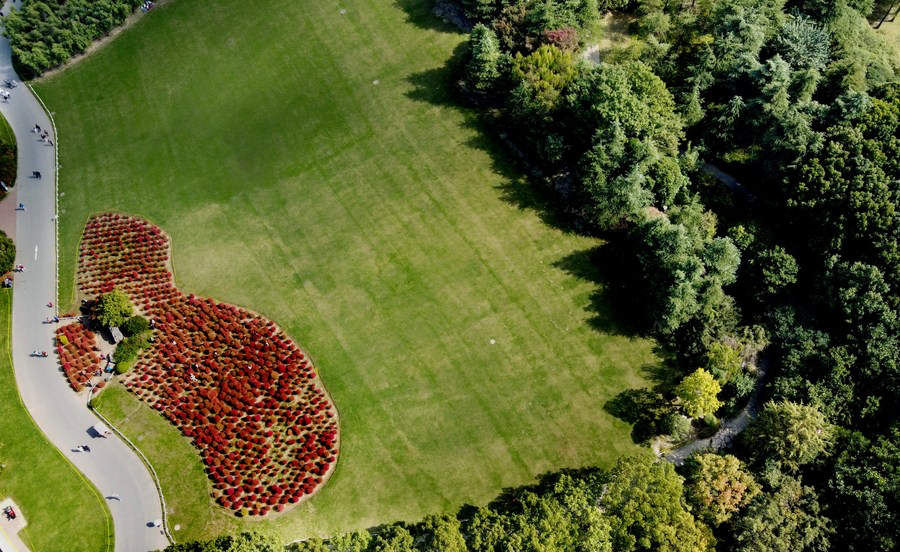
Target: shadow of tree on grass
pixel 421 14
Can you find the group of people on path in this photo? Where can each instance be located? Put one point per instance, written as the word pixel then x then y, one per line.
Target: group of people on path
pixel 45 136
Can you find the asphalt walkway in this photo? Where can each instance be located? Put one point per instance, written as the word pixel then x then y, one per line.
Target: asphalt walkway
pixel 59 412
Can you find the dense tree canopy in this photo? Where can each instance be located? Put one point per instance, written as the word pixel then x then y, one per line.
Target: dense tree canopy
pixel 790 433
pixel 645 502
pixel 787 519
pixel 719 487
pixel 46 33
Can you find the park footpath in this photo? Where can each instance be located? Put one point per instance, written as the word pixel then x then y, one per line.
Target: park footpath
pixel 114 469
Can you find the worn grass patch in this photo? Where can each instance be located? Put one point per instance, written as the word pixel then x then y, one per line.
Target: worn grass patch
pixel 378 224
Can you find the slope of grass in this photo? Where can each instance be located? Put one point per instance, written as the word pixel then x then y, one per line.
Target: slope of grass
pixel 312 166
pixel 58 503
pixel 7 136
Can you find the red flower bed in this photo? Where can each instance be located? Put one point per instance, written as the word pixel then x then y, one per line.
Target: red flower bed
pixel 78 358
pixel 231 381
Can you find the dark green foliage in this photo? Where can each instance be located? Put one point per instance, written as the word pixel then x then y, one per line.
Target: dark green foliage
pixel 864 492
pixel 786 519
pixel 135 325
pixel 44 34
pixel 521 24
pixel 682 270
pixel 790 434
pixel 129 348
pixel 559 515
pixel 7 253
pixel 8 158
pixel 648 411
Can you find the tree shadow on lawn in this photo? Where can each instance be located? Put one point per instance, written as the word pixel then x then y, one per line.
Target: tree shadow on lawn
pixel 438 87
pixel 420 13
pixel 611 306
pixel 648 409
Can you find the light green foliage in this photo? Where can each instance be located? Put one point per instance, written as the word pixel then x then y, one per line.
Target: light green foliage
pixel 698 394
pixel 629 97
pixel 719 487
pixel 790 433
pixel 113 308
pixel 678 427
pixel 803 43
pixel 250 541
pixel 548 70
pixel 699 223
pixel 787 519
pixel 441 534
pixel 644 501
pixel 723 361
pixel 358 541
pixel 483 67
pixel 393 539
pixel 128 349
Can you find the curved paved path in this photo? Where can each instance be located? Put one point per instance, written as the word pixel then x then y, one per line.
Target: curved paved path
pixel 724 438
pixel 61 414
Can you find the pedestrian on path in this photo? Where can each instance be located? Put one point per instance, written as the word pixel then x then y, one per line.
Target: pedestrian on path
pixel 37 128
pixel 21 207
pixel 50 304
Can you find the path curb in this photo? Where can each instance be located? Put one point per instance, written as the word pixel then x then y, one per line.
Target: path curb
pixel 162 499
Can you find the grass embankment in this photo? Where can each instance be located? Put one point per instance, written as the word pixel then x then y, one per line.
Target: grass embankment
pixel 7 155
pixel 58 503
pixel 466 342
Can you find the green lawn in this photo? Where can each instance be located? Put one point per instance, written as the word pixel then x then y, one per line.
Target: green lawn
pixel 58 503
pixel 377 223
pixel 6 132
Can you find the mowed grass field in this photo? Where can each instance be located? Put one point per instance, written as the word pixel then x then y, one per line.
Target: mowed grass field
pixel 312 166
pixel 59 505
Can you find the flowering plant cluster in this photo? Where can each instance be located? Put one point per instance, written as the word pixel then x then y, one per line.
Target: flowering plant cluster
pixel 232 381
pixel 77 351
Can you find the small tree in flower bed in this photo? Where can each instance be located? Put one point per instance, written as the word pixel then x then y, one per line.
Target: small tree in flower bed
pixel 75 346
pixel 230 380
